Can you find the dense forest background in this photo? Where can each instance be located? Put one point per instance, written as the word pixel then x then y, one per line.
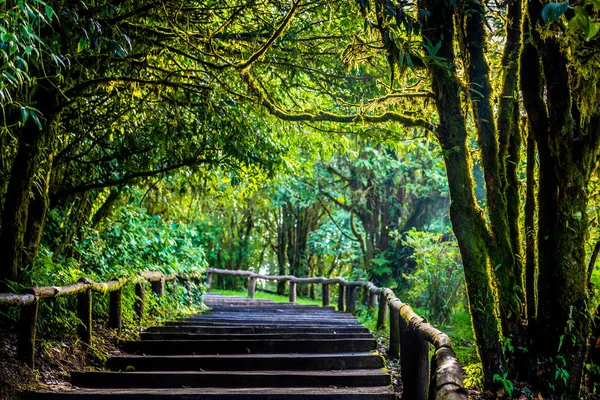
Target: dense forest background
pixel 447 149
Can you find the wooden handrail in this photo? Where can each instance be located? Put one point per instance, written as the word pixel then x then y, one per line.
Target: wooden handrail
pixel 28 302
pixel 410 334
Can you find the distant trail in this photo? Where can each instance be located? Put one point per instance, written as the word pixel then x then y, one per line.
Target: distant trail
pixel 243 350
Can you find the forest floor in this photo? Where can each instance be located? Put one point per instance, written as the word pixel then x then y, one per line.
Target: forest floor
pixel 54 359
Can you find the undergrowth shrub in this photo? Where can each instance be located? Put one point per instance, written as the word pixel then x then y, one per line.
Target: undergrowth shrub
pixel 437 286
pixel 131 242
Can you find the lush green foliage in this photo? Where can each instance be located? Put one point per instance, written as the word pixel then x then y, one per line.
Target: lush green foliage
pixel 438 283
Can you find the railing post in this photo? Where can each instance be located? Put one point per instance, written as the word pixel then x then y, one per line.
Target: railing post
pixel 292 292
pixel 84 313
pixel 26 333
pixel 208 281
pixel 394 350
pixel 140 293
pixel 325 294
pixel 115 313
pixel 372 300
pixel 174 285
pixel 414 363
pixel 251 286
pixel 158 287
pixel 188 289
pixel 432 378
pixel 340 299
pixel 383 311
pixel 351 299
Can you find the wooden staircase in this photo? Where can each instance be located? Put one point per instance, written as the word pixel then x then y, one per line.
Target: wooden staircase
pixel 243 349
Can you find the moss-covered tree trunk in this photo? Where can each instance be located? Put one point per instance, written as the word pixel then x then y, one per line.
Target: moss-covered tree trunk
pixel 39 204
pixel 468 221
pixel 568 156
pixel 281 250
pixel 530 228
pixel 568 146
pixel 473 40
pixel 32 150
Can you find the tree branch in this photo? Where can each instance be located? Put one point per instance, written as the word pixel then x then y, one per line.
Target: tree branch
pixel 324 116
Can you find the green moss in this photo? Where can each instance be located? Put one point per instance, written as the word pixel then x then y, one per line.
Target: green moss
pixel 460 331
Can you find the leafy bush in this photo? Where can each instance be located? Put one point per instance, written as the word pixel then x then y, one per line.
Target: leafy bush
pixel 438 283
pixel 132 241
pixel 136 241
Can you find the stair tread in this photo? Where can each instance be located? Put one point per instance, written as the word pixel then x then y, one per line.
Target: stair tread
pixel 273 355
pixel 209 390
pixel 340 372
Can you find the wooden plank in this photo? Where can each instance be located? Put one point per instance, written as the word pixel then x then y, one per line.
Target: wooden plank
pixel 292 292
pixel 26 333
pixel 382 311
pixel 140 301
pixel 341 297
pixel 325 294
pixel 115 313
pixel 251 287
pixel 394 349
pixel 16 300
pixel 84 312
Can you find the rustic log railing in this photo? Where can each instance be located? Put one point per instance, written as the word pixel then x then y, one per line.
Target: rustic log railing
pixel 28 302
pixel 410 334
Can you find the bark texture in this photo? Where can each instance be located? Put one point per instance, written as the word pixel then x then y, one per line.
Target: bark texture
pixel 32 150
pixel 467 219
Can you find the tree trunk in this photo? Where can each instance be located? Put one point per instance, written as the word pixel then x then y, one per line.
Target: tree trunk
pixel 502 257
pixel 33 145
pixel 509 134
pixel 106 208
pixel 530 253
pixel 36 217
pixel 567 159
pixel 281 250
pixel 568 150
pixel 467 220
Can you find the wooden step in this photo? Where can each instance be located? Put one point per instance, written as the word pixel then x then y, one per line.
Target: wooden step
pixel 218 330
pixel 250 336
pixel 283 320
pixel 231 379
pixel 245 362
pixel 163 347
pixel 356 393
pixel 288 324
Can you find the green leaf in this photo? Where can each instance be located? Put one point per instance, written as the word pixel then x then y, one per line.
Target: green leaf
pixel 409 61
pixel 595 3
pixel 552 11
pixel 36 119
pixel 584 23
pixel 379 261
pixel 82 43
pixel 49 12
pixel 379 271
pixel 594 27
pixel 10 77
pixel 24 114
